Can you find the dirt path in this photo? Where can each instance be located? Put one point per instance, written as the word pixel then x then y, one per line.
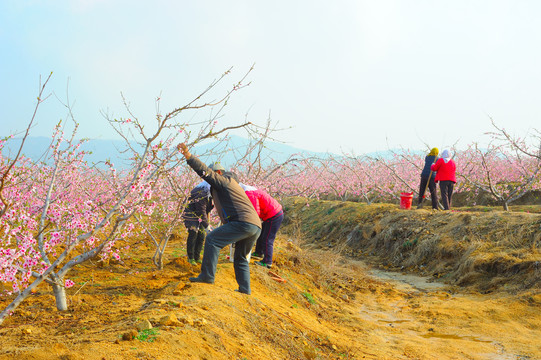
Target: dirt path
pixel 434 320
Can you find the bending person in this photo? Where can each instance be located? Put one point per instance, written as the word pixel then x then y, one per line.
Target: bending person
pixel 241 225
pixel 270 212
pixel 196 221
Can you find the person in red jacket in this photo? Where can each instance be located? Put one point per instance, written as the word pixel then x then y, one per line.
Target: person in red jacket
pixel 271 214
pixel 446 176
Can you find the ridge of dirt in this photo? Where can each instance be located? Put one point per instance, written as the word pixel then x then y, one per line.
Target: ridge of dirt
pixel 486 250
pixel 329 307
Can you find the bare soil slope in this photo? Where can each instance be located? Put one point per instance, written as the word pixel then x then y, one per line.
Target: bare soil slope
pixel 330 306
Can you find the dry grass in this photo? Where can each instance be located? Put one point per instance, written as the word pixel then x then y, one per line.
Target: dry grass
pixel 487 249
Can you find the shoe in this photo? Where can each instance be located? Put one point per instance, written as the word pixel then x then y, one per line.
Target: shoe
pixel 192 261
pixel 261 263
pixel 257 255
pixel 199 280
pixel 242 292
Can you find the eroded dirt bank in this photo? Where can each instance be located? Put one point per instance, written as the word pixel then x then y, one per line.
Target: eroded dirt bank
pixel 330 306
pixel 488 250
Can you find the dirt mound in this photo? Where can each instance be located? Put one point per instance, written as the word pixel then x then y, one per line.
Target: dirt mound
pixel 329 306
pixel 487 249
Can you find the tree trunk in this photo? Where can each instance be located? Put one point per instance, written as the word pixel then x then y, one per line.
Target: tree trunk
pixel 505 206
pixel 60 297
pixel 160 261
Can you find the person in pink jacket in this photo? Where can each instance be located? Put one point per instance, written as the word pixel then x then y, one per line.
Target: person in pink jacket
pixel 446 176
pixel 271 214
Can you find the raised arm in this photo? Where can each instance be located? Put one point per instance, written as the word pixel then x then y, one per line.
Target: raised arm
pixel 214 179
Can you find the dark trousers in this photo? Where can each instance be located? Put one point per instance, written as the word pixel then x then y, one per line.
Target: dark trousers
pixel 431 187
pixel 265 242
pixel 244 236
pixel 446 190
pixel 194 243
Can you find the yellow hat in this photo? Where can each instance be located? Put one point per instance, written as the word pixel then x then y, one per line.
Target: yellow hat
pixel 434 152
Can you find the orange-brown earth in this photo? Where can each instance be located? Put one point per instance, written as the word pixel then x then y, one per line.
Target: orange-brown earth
pixel 331 306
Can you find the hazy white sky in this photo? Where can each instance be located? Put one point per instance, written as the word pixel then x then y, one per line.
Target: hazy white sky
pixel 350 75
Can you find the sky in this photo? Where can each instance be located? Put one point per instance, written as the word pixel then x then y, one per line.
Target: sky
pixel 351 76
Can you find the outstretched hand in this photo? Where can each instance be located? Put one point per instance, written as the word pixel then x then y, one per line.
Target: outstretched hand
pixel 184 150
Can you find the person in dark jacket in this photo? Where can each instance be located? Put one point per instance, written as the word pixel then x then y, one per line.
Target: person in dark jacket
pixel 240 223
pixel 196 220
pixel 427 180
pixel 446 176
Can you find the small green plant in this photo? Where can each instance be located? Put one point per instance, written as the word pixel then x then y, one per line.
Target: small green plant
pixel 408 244
pixel 147 335
pixel 295 306
pixel 309 297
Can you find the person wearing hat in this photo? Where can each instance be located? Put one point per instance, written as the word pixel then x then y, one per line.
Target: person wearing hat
pixel 427 180
pixel 217 167
pixel 446 176
pixel 196 220
pixel 240 223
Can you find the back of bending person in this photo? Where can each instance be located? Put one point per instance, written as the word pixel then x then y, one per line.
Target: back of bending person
pixel 196 221
pixel 270 212
pixel 241 224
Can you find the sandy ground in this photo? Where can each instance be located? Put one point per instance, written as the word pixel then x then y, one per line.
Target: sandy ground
pixel 328 308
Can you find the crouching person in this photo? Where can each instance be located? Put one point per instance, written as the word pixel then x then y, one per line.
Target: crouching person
pixel 241 224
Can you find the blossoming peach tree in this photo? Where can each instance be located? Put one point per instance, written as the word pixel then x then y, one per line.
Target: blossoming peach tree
pixel 62 212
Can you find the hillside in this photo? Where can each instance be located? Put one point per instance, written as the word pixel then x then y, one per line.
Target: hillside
pixel 483 247
pixel 484 303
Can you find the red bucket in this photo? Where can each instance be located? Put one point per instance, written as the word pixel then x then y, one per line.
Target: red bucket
pixel 406 200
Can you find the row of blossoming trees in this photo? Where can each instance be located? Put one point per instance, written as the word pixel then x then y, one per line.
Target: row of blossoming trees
pixel 504 171
pixel 62 212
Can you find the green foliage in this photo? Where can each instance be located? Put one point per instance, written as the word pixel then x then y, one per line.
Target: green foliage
pixel 408 244
pixel 309 297
pixel 148 335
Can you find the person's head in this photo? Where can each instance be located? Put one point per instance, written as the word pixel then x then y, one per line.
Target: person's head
pixel 446 154
pixel 434 152
pixel 217 167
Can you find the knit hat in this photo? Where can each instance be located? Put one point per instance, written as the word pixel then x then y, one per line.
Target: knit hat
pixel 216 166
pixel 434 152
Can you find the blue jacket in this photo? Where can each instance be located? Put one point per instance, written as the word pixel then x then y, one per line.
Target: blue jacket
pixel 429 160
pixel 199 206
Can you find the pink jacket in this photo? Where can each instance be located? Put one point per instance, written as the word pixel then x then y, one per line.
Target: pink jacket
pixel 445 170
pixel 265 205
